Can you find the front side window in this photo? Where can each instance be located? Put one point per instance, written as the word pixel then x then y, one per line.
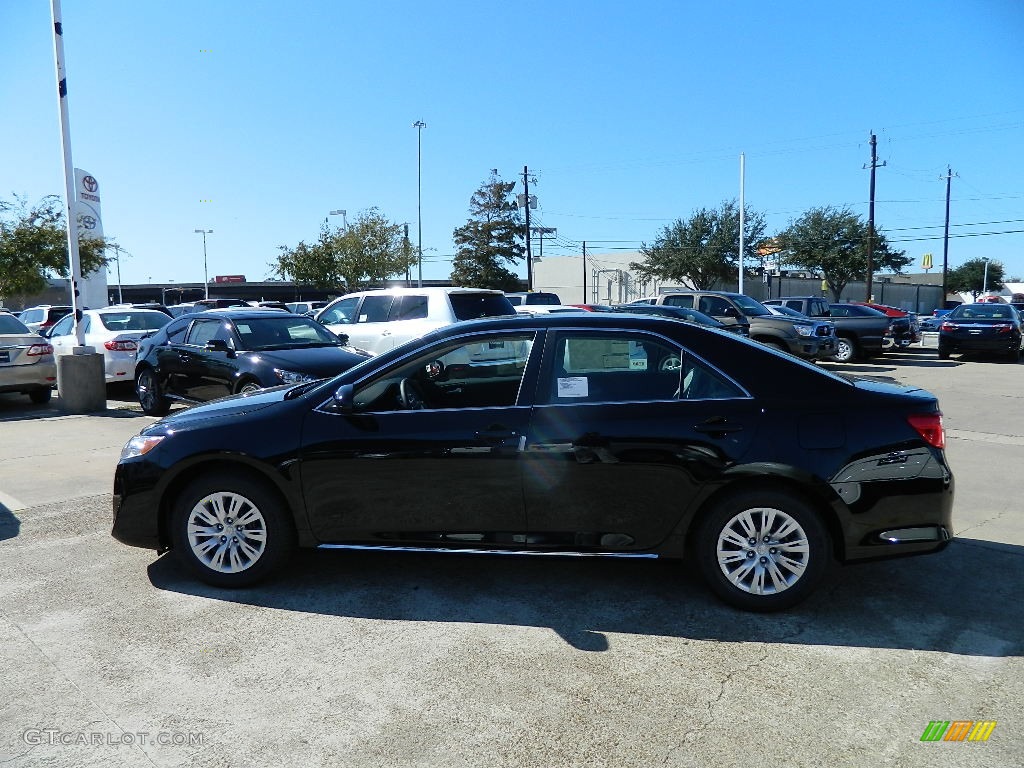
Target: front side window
pixel 204 331
pixel 484 373
pixel 64 326
pixel 341 313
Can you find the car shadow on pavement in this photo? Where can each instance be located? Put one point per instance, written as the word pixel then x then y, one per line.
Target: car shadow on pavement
pixel 964 600
pixel 10 526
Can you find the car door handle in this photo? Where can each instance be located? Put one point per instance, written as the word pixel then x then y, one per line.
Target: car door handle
pixel 717 425
pixel 496 436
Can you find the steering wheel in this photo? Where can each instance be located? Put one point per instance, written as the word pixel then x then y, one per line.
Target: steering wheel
pixel 410 395
pixel 671 363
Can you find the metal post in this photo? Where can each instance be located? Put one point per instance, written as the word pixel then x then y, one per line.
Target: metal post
pixel 419 125
pixel 984 283
pixel 741 220
pixel 206 274
pixel 69 171
pixel 945 242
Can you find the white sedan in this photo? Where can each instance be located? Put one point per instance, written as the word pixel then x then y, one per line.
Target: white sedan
pixel 114 331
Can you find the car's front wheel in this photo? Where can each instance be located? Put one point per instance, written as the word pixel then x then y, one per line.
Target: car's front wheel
pixel 762 550
pixel 230 530
pixel 147 389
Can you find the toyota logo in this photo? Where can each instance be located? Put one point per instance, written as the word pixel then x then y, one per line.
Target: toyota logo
pixel 90 184
pixel 88 222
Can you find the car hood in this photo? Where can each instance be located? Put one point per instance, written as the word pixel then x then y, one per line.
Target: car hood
pixel 316 361
pixel 223 409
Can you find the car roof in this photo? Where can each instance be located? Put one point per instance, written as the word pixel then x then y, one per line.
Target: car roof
pixel 420 291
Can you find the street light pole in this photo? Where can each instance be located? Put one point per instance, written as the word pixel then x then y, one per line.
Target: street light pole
pixel 206 275
pixel 984 279
pixel 344 217
pixel 419 125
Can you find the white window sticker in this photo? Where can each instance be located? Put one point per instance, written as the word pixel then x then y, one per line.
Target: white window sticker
pixel 573 386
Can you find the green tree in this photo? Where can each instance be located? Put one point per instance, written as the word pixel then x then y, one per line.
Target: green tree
pixel 370 250
pixel 969 277
pixel 34 246
pixel 703 250
pixel 833 242
pixel 490 239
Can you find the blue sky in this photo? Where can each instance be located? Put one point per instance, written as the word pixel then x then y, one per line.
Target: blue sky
pixel 630 114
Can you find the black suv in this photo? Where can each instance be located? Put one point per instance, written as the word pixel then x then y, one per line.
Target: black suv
pixel 789 334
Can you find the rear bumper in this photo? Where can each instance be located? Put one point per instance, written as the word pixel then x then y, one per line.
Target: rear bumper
pixel 24 378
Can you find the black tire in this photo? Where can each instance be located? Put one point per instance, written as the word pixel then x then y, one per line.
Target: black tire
pixel 147 390
pixel 246 524
pixel 759 576
pixel 846 350
pixel 40 396
pixel 943 354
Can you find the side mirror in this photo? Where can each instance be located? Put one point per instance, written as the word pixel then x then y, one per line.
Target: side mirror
pixel 730 312
pixel 344 399
pixel 219 345
pixel 343 337
pixel 435 371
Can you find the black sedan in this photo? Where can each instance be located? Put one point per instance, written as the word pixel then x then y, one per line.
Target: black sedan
pixel 685 314
pixel 985 327
pixel 208 355
pixel 590 434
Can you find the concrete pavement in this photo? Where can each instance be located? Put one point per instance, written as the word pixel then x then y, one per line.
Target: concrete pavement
pixel 112 657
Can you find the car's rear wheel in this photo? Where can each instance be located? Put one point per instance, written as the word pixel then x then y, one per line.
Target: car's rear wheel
pixel 41 395
pixel 147 389
pixel 230 530
pixel 943 354
pixel 846 350
pixel 762 550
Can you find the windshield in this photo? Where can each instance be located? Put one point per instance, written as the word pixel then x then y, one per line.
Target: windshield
pixel 750 306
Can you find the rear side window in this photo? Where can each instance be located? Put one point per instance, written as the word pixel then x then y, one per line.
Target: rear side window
pixel 679 301
pixel 713 305
pixel 375 309
pixel 409 308
pixel 176 331
pixel 468 306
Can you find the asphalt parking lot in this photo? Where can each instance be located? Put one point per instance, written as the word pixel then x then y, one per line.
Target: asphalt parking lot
pixel 110 656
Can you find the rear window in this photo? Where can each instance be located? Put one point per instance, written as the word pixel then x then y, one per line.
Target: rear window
pixel 11 324
pixel 549 299
pixel 468 306
pixel 134 321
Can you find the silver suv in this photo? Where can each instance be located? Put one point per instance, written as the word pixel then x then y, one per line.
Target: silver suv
pixel 379 320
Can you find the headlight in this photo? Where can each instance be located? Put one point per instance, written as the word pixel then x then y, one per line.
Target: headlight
pixel 294 377
pixel 804 330
pixel 140 445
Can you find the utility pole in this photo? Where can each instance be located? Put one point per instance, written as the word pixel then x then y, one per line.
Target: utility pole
pixel 529 255
pixel 945 242
pixel 405 254
pixel 742 204
pixel 871 214
pixel 585 272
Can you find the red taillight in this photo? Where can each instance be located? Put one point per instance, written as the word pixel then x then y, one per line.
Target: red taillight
pixel 121 346
pixel 37 350
pixel 948 327
pixel 929 427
